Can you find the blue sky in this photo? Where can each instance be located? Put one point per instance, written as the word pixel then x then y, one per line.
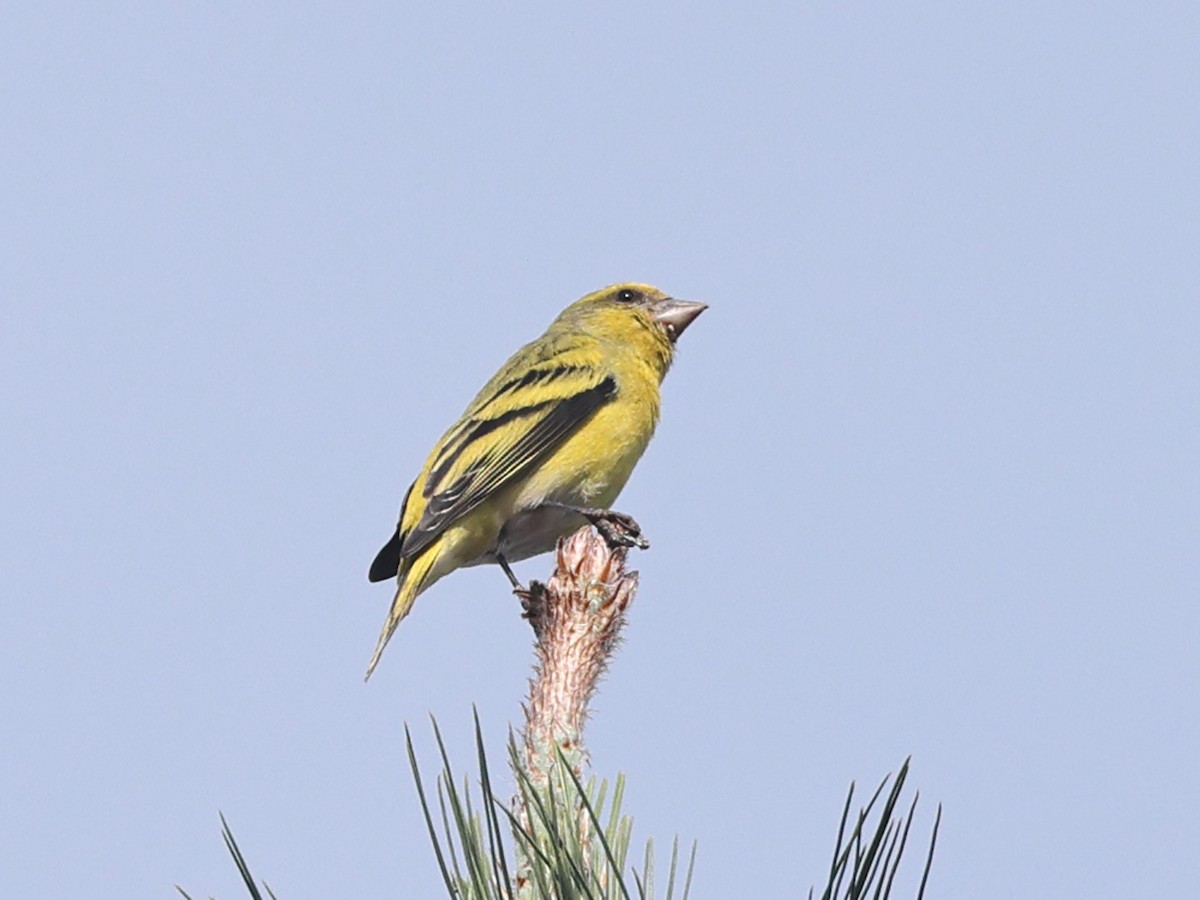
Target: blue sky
pixel 926 479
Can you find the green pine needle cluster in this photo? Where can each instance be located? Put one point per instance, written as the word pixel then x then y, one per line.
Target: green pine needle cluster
pixel 572 841
pixel 866 860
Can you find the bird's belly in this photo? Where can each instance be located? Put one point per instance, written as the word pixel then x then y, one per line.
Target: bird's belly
pixel 535 531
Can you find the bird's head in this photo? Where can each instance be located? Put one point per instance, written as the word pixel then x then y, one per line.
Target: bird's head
pixel 633 313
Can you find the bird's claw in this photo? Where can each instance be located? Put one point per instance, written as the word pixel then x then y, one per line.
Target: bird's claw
pixel 617 528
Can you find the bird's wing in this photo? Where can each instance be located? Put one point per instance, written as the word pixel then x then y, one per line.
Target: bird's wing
pixel 514 425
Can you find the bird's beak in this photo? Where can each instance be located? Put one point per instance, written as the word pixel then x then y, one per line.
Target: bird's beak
pixel 675 315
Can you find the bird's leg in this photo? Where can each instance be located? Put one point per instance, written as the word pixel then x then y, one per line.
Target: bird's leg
pixel 617 528
pixel 509 572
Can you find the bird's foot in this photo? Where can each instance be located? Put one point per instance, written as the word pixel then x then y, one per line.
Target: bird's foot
pixel 617 528
pixel 533 601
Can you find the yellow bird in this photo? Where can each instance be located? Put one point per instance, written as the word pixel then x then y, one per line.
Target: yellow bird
pixel 547 445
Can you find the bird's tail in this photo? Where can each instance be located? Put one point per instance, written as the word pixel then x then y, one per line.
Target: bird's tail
pixel 412 582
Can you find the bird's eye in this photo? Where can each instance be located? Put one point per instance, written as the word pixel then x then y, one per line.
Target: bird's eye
pixel 625 295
